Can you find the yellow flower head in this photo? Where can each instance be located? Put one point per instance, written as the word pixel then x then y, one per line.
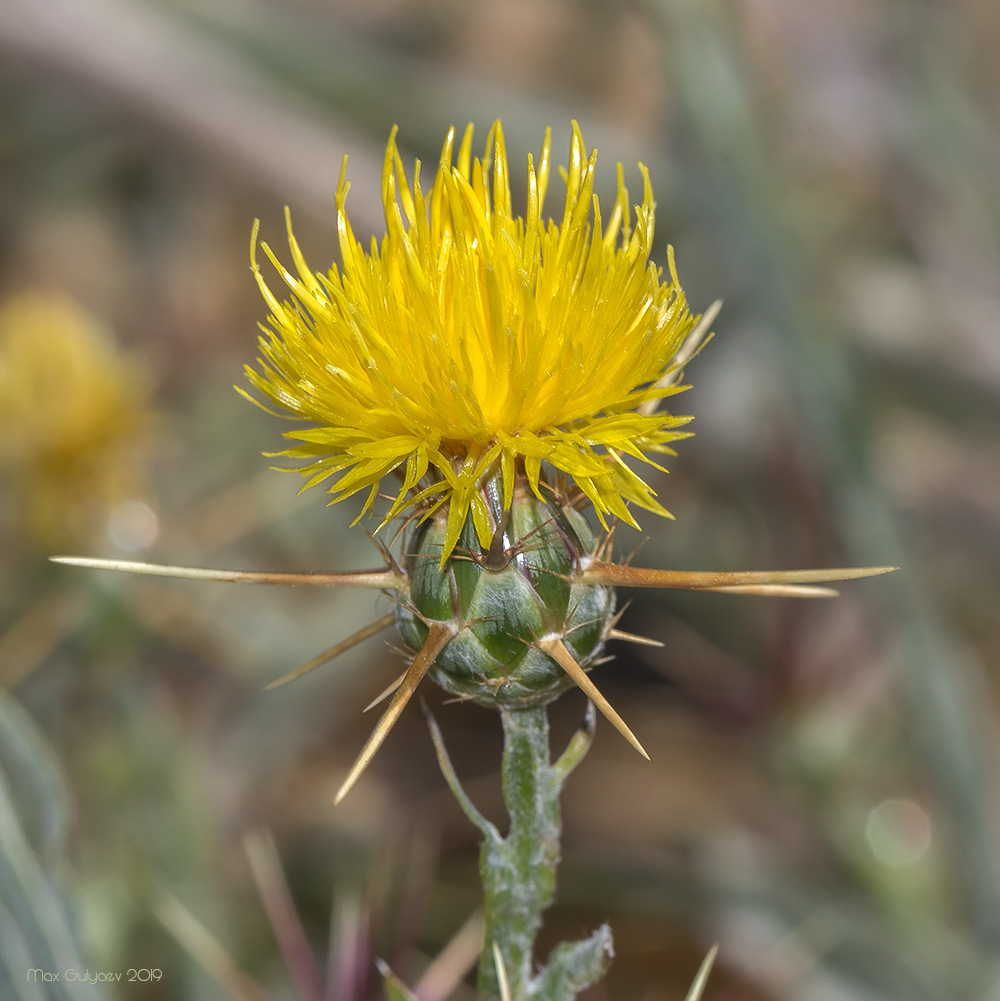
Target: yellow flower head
pixel 473 341
pixel 75 420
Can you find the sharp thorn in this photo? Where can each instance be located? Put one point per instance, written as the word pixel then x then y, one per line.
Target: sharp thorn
pixel 502 983
pixel 701 979
pixel 385 580
pixel 556 649
pixel 438 636
pixel 620 575
pixel 777 590
pixel 335 651
pixel 384 694
pixel 693 343
pixel 618 634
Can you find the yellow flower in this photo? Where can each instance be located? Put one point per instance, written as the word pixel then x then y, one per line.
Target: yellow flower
pixel 74 416
pixel 482 356
pixel 473 341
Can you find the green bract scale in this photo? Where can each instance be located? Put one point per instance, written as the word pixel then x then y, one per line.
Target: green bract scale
pixel 502 600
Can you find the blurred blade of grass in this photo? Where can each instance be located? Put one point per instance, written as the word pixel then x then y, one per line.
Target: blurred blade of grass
pixel 964 399
pixel 765 916
pixel 375 85
pixel 395 989
pixel 157 69
pixel 446 971
pixel 36 930
pixel 38 631
pixel 950 139
pixel 207 951
pixel 35 782
pixel 741 192
pixel 276 896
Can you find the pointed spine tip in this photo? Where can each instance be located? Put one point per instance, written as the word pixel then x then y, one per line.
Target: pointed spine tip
pixel 553 645
pixel 383 580
pixel 624 575
pixel 335 651
pixel 439 635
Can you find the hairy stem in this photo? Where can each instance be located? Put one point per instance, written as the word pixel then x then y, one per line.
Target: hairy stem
pixel 519 871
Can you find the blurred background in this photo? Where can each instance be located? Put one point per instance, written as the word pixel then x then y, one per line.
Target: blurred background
pixel 822 797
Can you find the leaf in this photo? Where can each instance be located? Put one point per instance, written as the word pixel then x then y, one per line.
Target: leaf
pixel 574 966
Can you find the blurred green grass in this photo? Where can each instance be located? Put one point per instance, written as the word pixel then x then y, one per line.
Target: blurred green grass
pixel 830 172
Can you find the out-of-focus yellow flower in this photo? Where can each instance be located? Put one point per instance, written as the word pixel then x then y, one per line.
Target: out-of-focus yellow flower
pixel 472 341
pixel 74 417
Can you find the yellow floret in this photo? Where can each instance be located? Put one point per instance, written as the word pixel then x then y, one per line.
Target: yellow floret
pixel 472 341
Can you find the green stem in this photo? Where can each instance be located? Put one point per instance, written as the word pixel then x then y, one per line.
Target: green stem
pixel 519 871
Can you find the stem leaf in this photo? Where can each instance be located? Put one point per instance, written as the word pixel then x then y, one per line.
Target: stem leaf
pixel 574 966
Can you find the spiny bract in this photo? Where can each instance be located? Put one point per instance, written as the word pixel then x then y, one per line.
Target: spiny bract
pixel 503 600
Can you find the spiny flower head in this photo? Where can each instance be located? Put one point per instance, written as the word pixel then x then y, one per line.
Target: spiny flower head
pixel 488 359
pixel 473 341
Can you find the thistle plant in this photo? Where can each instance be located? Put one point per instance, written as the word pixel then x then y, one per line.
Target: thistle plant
pixel 504 373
